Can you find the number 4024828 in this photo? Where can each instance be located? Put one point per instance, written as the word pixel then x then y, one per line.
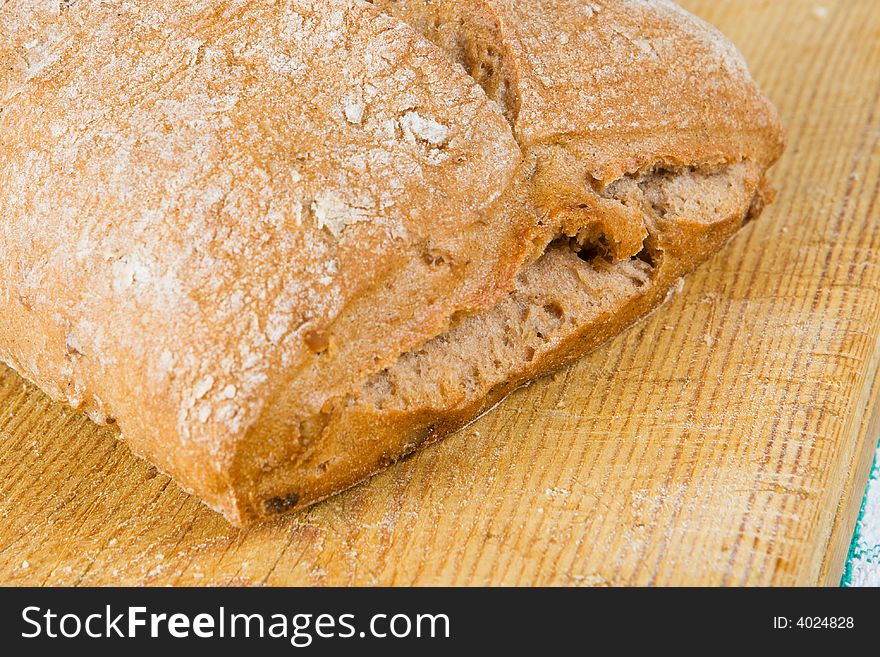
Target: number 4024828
pixel 814 622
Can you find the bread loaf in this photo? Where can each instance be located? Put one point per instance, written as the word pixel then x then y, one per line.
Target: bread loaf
pixel 282 244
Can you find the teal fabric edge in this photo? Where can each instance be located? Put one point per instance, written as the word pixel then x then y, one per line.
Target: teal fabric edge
pixel 846 580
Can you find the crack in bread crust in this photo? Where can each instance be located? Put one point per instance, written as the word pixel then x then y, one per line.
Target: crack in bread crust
pixel 565 303
pixel 470 36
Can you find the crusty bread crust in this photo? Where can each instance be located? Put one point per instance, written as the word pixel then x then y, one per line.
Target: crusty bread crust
pixel 285 243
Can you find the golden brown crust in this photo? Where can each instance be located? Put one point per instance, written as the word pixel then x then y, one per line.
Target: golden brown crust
pixel 234 226
pixel 563 305
pixel 627 84
pixel 198 187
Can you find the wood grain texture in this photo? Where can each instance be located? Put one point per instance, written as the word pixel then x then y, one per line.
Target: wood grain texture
pixel 725 440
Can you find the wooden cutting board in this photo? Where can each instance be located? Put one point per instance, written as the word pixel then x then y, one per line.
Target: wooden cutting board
pixel 725 440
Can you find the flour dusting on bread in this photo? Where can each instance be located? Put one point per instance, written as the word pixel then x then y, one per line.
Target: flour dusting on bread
pixel 284 243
